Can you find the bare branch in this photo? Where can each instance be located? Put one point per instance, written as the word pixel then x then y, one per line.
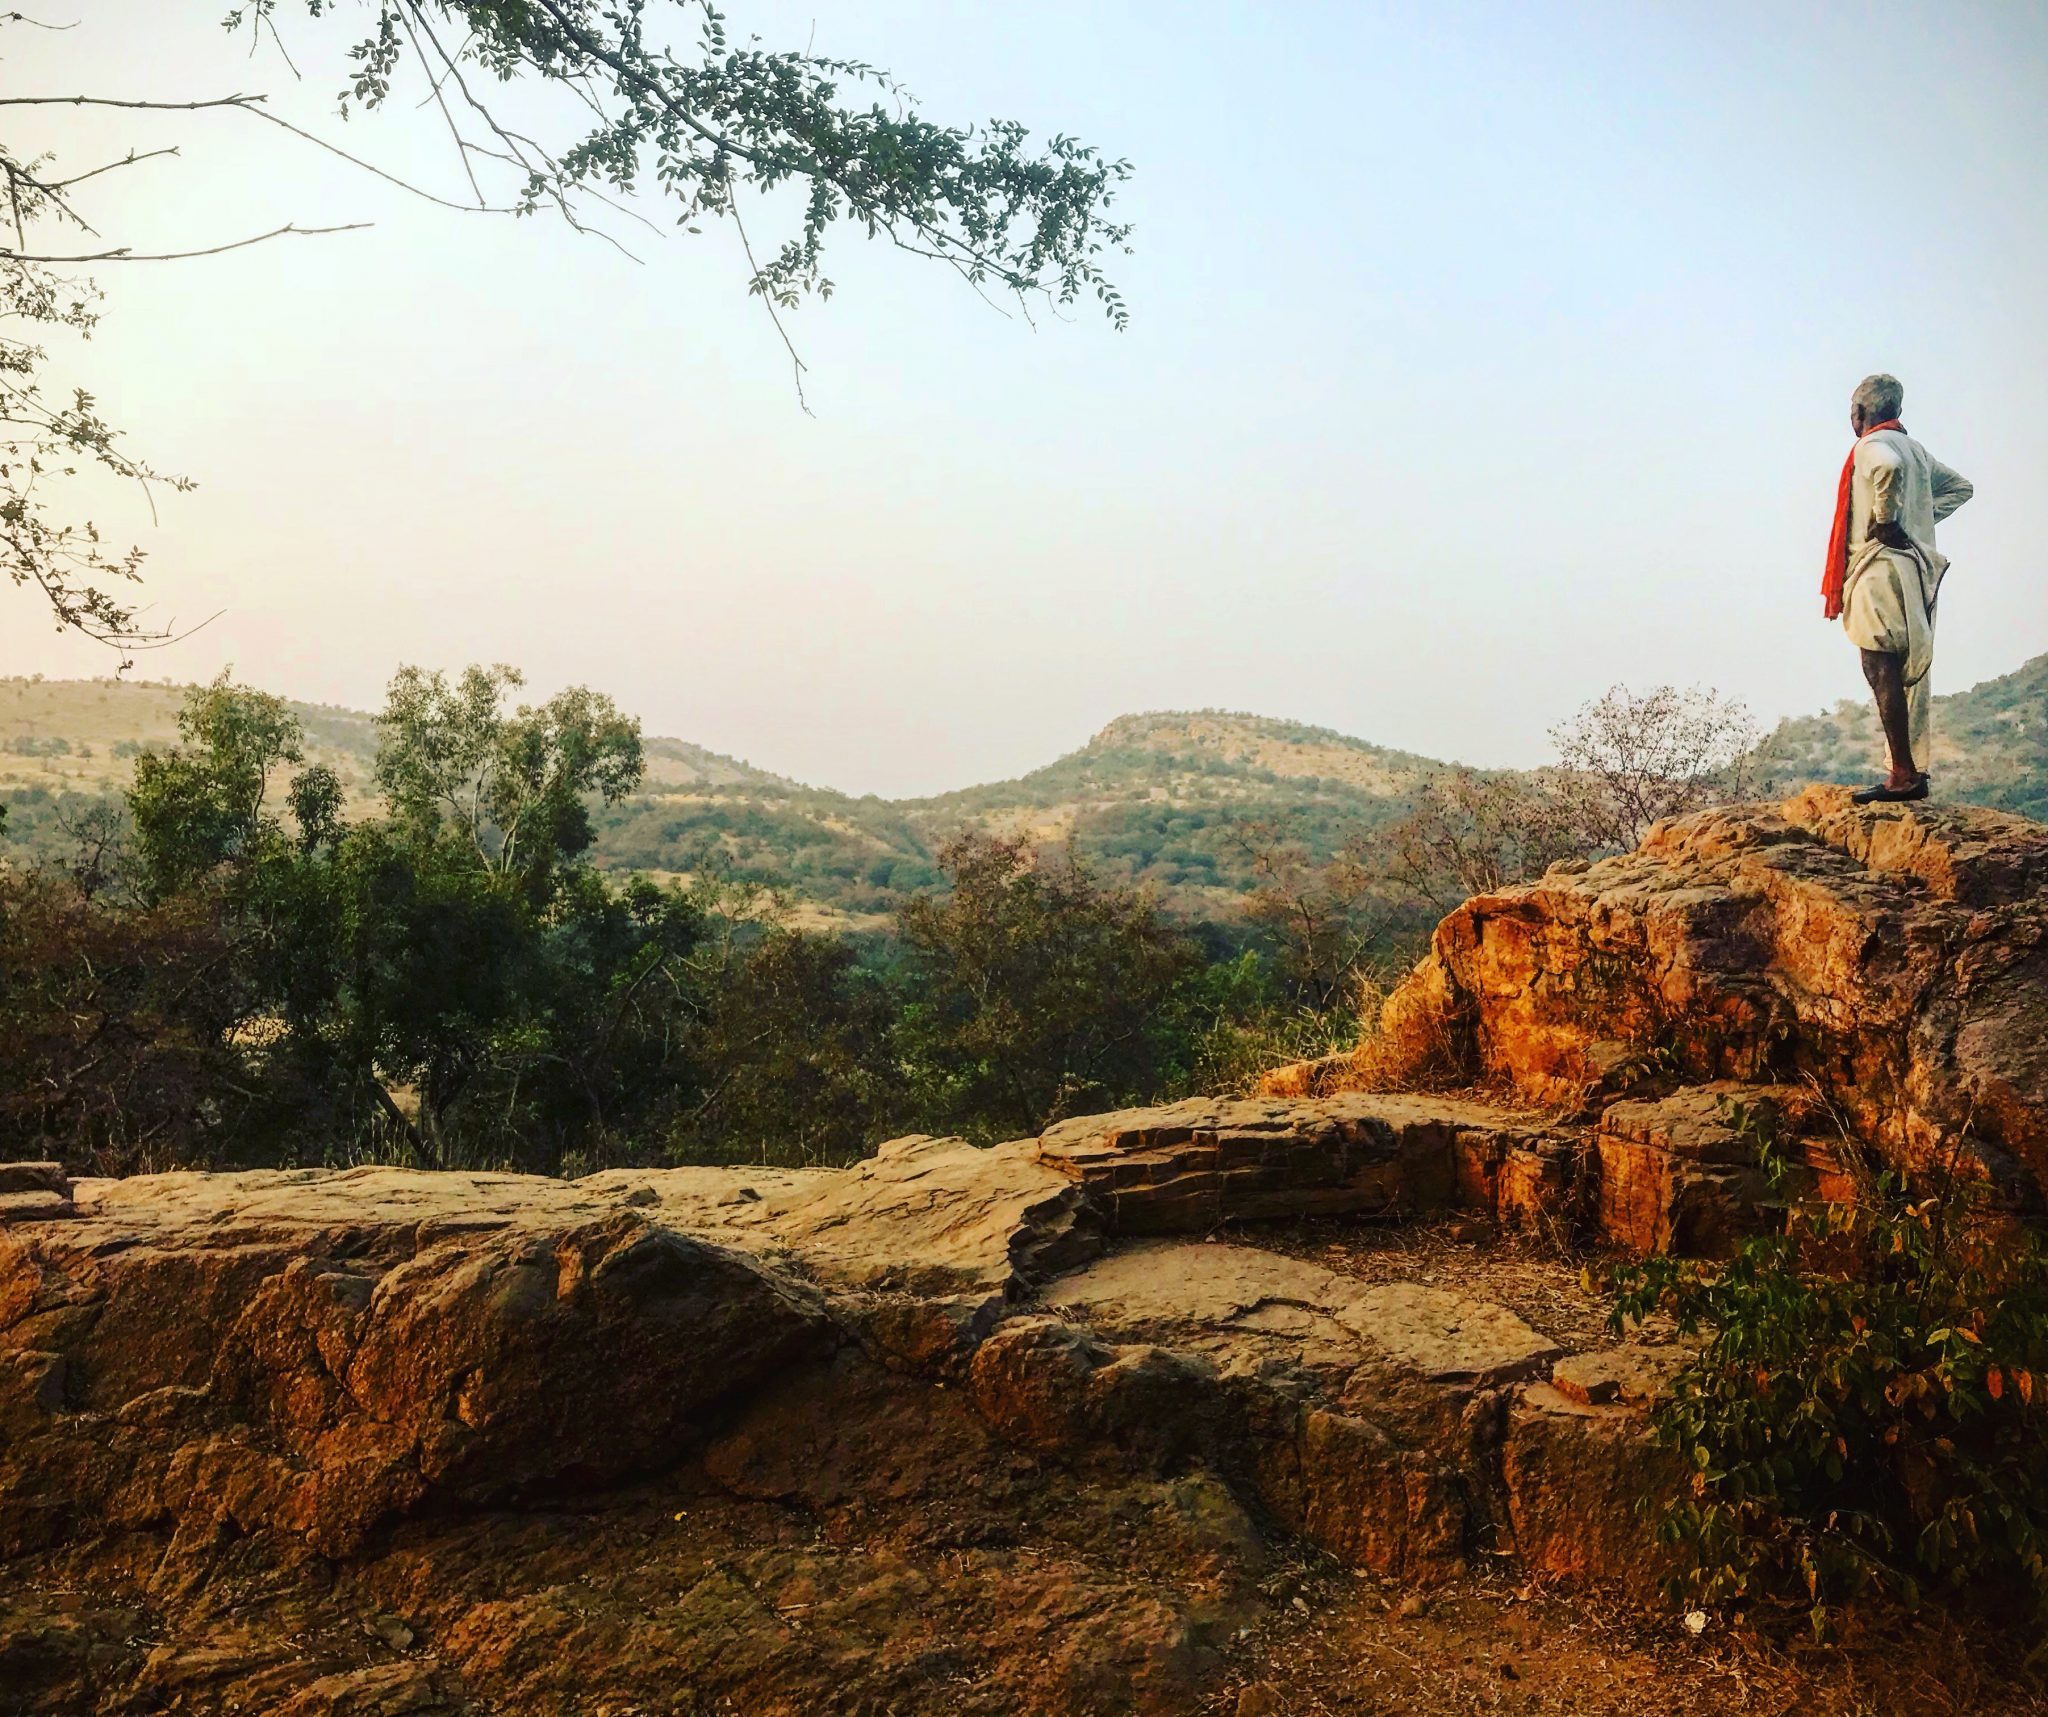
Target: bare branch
pixel 250 104
pixel 517 143
pixel 767 298
pixel 126 255
pixel 282 51
pixel 111 101
pixel 129 160
pixel 479 207
pixel 454 131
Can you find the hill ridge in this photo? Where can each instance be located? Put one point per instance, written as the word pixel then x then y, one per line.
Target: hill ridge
pixel 1158 796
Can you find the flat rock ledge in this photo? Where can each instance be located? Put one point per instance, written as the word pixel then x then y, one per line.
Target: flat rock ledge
pixel 1681 1172
pixel 1191 1167
pixel 322 1368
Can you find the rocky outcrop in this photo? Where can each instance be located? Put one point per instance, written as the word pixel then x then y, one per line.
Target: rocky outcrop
pixel 1683 1173
pixel 1365 1414
pixel 1893 959
pixel 929 1215
pixel 343 1410
pixel 314 1386
pixel 31 1192
pixel 1576 1476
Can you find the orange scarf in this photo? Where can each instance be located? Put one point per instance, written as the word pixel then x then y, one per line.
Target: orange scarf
pixel 1837 572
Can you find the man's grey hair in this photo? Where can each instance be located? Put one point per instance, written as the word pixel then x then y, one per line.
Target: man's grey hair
pixel 1879 396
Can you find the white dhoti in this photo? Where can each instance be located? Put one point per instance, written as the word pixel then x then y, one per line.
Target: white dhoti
pixel 1889 595
pixel 1888 604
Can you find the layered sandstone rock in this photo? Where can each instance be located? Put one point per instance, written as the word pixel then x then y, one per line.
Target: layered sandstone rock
pixel 1577 1477
pixel 1681 1173
pixel 33 1191
pixel 380 1440
pixel 1188 1168
pixel 927 1215
pixel 1892 958
pixel 1365 1414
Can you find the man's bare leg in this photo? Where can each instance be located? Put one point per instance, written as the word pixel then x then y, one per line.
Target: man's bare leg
pixel 1887 676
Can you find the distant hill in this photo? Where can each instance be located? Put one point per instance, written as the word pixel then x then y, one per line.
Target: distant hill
pixel 84 734
pixel 80 737
pixel 1161 798
pixel 1166 796
pixel 1157 798
pixel 1990 743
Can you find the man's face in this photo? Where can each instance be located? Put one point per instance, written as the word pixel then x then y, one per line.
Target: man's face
pixel 1857 417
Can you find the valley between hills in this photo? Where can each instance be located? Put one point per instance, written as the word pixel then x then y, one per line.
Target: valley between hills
pixel 1179 800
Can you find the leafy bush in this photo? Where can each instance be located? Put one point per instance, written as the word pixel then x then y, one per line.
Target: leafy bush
pixel 239 964
pixel 121 1031
pixel 1041 991
pixel 1870 1408
pixel 1238 1019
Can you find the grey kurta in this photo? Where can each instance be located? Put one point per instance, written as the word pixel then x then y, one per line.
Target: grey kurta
pixel 1889 597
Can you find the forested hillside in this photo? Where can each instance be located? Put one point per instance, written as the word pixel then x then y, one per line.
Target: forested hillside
pixel 1185 801
pixel 1179 800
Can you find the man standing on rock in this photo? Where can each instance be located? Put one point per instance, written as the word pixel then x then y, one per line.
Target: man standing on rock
pixel 1884 573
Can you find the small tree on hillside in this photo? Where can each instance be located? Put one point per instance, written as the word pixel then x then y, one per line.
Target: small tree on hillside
pixel 1632 760
pixel 1324 921
pixel 1625 761
pixel 510 788
pixel 202 803
pixel 1043 990
pixel 1471 834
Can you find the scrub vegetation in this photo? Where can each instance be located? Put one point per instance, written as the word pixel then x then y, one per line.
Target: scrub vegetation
pixel 314 937
pixel 1868 1412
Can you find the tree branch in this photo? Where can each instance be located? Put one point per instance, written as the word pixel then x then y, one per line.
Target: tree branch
pixel 111 101
pixel 767 298
pixel 654 91
pixel 128 160
pixel 126 255
pixel 479 207
pixel 441 102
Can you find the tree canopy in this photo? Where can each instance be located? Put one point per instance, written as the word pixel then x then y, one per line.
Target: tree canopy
pixel 510 788
pixel 673 121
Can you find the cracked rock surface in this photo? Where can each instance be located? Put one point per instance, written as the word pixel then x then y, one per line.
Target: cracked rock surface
pixel 377 1440
pixel 1892 958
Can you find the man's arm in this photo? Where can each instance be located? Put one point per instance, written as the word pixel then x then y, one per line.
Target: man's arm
pixel 1951 489
pixel 1883 475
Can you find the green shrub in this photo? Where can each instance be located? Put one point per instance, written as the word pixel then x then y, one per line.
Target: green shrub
pixel 1041 990
pixel 1869 1410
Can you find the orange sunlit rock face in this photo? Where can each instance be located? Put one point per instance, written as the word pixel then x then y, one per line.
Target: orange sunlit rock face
pixel 1893 960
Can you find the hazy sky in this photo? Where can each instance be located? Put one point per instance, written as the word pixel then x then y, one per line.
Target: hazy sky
pixel 1481 356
